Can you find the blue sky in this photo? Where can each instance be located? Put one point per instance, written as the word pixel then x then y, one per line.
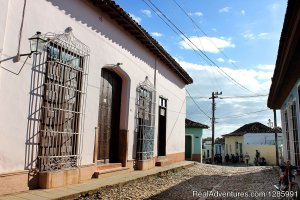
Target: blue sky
pixel 242 38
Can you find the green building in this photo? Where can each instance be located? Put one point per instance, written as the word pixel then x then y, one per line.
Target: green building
pixel 193 140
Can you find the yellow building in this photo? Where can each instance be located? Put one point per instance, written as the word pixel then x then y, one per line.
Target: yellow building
pixel 252 137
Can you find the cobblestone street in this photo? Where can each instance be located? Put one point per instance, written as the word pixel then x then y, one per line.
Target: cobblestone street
pixel 192 182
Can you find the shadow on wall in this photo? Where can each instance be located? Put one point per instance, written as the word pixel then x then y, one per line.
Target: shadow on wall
pixel 90 16
pixel 34 116
pixel 116 35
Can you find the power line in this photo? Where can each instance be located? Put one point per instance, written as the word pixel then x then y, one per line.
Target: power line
pixel 240 97
pixel 171 62
pixel 234 97
pixel 241 115
pixel 178 31
pixel 196 24
pixel 197 104
pixel 199 50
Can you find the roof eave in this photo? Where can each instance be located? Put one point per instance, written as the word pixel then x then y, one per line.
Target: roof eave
pixel 117 13
pixel 286 73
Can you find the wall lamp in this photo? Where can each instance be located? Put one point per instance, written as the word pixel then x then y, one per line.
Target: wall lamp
pixel 37 43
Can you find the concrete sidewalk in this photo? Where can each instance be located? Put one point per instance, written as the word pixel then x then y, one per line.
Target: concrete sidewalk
pixel 90 186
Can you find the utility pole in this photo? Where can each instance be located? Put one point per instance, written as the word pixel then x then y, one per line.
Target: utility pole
pixel 276 137
pixel 214 95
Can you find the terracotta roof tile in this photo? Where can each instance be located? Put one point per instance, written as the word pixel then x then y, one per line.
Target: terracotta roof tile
pixel 254 127
pixel 192 124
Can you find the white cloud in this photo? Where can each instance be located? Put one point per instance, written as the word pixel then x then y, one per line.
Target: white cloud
pixel 199 14
pixel 147 13
pixel 209 44
pixel 249 36
pixel 136 18
pixel 208 79
pixel 263 35
pixel 274 7
pixel 266 67
pixel 250 78
pixel 220 60
pixel 225 9
pixel 259 36
pixel 243 12
pixel 232 61
pixel 156 34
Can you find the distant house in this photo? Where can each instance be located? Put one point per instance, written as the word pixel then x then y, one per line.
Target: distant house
pixel 219 147
pixel 206 150
pixel 285 88
pixel 252 137
pixel 193 140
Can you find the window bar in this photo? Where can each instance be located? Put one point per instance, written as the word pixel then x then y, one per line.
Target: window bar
pixel 43 111
pixel 61 127
pixel 33 113
pixel 85 61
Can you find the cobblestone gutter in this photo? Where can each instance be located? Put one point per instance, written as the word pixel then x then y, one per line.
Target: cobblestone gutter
pixel 138 188
pixel 180 183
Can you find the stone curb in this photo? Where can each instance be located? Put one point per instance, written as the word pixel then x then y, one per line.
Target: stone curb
pixel 121 183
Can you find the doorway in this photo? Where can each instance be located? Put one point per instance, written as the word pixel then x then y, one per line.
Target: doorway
pixel 162 120
pixel 109 117
pixel 188 147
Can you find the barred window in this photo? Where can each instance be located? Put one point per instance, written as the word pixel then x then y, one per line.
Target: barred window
pixel 61 108
pixel 295 135
pixel 145 120
pixel 64 62
pixel 287 136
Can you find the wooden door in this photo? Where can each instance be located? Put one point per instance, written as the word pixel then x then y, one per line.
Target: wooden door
pixel 188 147
pixel 162 126
pixel 109 116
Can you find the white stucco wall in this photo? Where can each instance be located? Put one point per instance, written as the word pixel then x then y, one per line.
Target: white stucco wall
pixel 109 44
pixel 262 138
pixel 3 17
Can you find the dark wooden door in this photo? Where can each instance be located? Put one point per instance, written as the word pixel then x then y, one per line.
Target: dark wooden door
pixel 188 147
pixel 162 128
pixel 109 116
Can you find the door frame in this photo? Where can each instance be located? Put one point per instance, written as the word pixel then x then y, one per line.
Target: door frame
pixel 114 115
pixel 192 144
pixel 124 113
pixel 162 106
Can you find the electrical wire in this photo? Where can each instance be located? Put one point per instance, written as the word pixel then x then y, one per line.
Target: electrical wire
pixel 241 115
pixel 212 63
pixel 233 97
pixel 197 104
pixel 204 33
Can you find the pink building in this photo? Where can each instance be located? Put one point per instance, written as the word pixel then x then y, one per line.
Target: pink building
pixel 99 93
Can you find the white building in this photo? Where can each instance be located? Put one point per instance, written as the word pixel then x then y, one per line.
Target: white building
pixel 101 92
pixel 284 92
pixel 262 138
pixel 206 150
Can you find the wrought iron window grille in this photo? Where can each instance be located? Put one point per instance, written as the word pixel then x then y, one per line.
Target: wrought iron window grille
pixel 60 84
pixel 145 119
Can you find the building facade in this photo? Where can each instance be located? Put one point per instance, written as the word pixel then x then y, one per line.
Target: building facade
pixel 252 137
pixel 285 88
pixel 98 90
pixel 206 151
pixel 220 147
pixel 193 140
